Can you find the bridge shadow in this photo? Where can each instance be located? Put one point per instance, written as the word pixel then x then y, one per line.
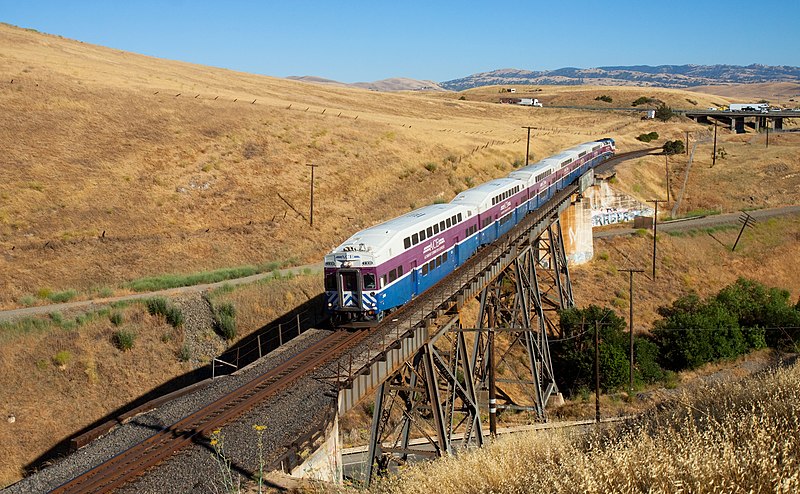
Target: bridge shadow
pixel 247 350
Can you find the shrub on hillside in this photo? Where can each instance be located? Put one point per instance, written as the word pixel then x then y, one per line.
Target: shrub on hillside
pixel 604 97
pixel 651 136
pixel 573 354
pixel 664 113
pixel 693 332
pixel 674 147
pixel 123 339
pixel 159 306
pixel 225 320
pixel 643 100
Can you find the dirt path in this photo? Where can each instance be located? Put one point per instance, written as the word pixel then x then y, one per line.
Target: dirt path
pixel 9 315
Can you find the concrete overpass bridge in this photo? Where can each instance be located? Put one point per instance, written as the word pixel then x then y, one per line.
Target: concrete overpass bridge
pixel 738 120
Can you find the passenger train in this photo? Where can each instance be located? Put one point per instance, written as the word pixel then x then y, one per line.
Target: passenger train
pixel 385 266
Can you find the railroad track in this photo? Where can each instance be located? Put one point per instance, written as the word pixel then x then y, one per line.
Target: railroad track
pixel 197 427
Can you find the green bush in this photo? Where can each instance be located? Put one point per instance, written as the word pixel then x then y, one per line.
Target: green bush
pixel 664 113
pixel 693 332
pixel 641 101
pixel 651 136
pixel 62 358
pixel 115 318
pixel 225 320
pixel 674 147
pixel 606 98
pixel 61 297
pixel 159 306
pixel 185 353
pixel 430 166
pixel 123 339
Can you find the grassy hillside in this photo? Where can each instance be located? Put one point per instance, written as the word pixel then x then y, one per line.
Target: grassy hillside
pixel 723 437
pixel 121 166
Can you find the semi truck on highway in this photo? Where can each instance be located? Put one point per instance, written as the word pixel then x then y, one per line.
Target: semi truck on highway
pixel 759 107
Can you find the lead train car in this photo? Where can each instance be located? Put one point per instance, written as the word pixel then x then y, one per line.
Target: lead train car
pixel 385 266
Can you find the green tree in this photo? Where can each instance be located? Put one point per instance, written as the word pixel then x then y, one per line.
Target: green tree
pixel 674 147
pixel 663 112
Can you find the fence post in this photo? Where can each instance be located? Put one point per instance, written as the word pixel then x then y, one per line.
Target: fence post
pixel 259 345
pixel 298 324
pixel 280 335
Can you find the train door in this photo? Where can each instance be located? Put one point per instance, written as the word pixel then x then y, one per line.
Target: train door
pixel 350 288
pixel 414 283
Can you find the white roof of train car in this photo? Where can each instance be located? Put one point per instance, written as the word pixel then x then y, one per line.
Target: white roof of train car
pixel 481 196
pixel 385 240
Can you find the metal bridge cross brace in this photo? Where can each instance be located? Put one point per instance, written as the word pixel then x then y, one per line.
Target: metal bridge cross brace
pixel 438 394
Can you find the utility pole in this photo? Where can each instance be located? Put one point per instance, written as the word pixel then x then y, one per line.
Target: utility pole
pixel 666 167
pixel 528 146
pixel 630 318
pixel 767 121
pixel 597 371
pixel 686 151
pixel 655 232
pixel 311 214
pixel 747 221
pixel 714 155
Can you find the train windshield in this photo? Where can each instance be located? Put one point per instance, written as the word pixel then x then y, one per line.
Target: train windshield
pixel 349 280
pixel 330 282
pixel 369 282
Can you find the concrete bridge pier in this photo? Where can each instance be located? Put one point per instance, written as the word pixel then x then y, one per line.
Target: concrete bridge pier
pixel 737 125
pixel 576 221
pixel 778 123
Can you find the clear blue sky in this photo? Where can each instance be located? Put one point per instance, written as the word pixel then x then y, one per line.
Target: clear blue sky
pixel 353 41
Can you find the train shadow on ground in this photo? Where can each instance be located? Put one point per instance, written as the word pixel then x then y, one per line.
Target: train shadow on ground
pixel 247 350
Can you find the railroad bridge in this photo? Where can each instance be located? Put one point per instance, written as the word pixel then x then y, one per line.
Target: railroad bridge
pixel 431 373
pixel 738 120
pixel 430 365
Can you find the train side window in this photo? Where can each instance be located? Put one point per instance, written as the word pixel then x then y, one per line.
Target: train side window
pixel 383 281
pixel 407 242
pixel 392 275
pixel 424 269
pixel 436 228
pixel 448 222
pixel 415 238
pixel 442 225
pixel 459 217
pixel 330 282
pixel 422 236
pixel 399 271
pixel 369 281
pixel 430 231
pixel 438 261
pixel 431 265
pixel 444 257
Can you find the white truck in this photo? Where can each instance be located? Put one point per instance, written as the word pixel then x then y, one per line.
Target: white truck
pixel 530 102
pixel 756 107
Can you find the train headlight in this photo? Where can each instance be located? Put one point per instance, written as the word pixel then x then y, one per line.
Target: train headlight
pixel 330 304
pixel 371 294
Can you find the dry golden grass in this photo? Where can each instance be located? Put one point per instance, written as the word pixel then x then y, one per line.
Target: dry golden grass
pixel 726 437
pixel 97 141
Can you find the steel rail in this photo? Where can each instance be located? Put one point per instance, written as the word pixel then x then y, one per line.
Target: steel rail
pixel 135 461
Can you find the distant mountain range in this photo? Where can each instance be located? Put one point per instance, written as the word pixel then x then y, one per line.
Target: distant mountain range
pixel 392 84
pixel 675 76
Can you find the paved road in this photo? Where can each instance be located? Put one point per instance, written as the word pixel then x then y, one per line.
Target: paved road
pixel 8 315
pixel 704 221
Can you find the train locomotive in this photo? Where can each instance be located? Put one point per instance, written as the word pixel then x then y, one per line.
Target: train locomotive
pixel 385 266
